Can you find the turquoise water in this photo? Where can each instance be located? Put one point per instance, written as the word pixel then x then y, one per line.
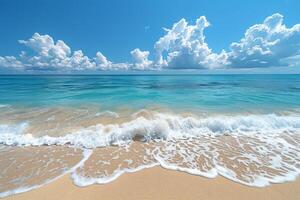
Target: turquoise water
pixel 217 93
pixel 243 127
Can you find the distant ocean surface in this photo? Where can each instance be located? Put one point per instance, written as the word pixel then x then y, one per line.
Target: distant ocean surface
pixel 208 93
pixel 97 127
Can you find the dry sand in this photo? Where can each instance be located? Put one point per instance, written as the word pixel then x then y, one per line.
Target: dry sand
pixel 157 183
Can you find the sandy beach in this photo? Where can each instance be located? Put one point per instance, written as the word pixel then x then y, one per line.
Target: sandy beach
pixel 149 100
pixel 159 183
pixel 191 152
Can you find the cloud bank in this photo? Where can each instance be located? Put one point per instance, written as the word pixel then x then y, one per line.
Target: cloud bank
pixel 183 46
pixel 268 44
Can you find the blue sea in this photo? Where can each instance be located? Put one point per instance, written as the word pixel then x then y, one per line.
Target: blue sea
pixel 209 93
pixel 97 127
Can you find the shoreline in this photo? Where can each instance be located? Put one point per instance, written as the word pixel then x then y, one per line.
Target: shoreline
pixel 160 183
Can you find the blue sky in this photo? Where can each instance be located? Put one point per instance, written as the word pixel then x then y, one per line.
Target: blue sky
pixel 115 28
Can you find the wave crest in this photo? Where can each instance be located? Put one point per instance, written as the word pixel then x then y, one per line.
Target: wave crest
pixel 155 126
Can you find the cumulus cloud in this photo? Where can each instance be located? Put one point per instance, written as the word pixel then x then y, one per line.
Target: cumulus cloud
pixel 79 61
pixel 46 54
pixel 56 56
pixel 103 63
pixel 11 62
pixel 268 44
pixel 183 46
pixel 141 61
pixel 45 46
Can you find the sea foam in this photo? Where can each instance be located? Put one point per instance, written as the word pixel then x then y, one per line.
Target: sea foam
pixel 252 149
pixel 157 126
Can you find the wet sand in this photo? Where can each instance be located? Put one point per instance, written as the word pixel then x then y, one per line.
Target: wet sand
pixel 33 165
pixel 159 183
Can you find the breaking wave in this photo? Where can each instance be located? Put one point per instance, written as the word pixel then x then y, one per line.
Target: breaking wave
pixel 155 125
pixel 252 149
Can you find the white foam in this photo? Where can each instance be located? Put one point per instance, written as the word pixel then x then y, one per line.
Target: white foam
pixel 82 181
pixel 4 105
pixel 265 133
pixel 160 125
pixel 289 170
pixel 107 113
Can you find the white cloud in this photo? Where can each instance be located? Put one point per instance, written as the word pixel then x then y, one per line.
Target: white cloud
pixel 267 44
pixel 81 62
pixel 264 45
pixel 50 55
pixel 11 62
pixel 184 47
pixel 102 61
pixel 141 61
pixel 56 56
pixel 44 46
pixel 293 61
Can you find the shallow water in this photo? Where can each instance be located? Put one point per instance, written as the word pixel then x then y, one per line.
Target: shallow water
pixel 243 127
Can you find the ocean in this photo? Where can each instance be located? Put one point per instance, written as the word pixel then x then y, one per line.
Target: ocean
pixel 97 127
pixel 207 93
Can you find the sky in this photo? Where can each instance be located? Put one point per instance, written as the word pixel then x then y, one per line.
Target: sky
pixel 143 35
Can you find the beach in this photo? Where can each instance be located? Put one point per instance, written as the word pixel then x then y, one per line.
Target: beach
pixel 159 183
pixel 148 137
pixel 149 100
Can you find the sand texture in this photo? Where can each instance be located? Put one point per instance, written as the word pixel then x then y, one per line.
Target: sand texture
pixel 158 183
